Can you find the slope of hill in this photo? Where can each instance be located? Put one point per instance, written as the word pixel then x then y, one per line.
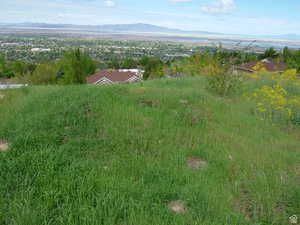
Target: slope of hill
pixel 122 154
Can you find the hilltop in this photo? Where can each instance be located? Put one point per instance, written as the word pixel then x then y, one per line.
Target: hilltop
pixel 125 154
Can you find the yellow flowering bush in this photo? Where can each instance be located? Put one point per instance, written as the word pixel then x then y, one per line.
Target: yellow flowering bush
pixel 259 69
pixel 288 75
pixel 269 99
pixel 280 98
pixel 255 75
pixel 274 102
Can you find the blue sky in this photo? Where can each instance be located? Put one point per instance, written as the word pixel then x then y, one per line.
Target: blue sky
pixel 226 16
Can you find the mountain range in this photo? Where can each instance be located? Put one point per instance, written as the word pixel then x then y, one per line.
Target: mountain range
pixel 139 28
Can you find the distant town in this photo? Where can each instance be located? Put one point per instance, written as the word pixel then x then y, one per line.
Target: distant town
pixel 39 49
pixel 43 42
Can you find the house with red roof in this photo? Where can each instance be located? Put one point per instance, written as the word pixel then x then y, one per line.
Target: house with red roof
pixel 268 65
pixel 114 76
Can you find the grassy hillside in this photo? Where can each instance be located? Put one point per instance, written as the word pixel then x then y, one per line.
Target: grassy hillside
pixel 118 156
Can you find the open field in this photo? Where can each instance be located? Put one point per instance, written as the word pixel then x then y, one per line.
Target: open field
pixel 120 155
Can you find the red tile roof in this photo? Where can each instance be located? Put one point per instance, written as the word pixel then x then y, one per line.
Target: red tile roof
pixel 112 75
pixel 269 64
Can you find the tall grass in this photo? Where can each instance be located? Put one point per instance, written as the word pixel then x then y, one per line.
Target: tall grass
pixel 117 156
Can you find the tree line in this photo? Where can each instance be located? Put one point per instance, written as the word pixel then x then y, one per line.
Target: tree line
pixel 75 65
pixel 72 68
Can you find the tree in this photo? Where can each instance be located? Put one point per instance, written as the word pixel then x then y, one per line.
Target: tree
pixel 295 61
pixel 144 60
pixel 249 58
pixel 177 67
pixel 129 63
pixel 114 63
pixel 5 71
pixel 76 66
pixel 286 55
pixel 269 53
pixel 45 73
pixel 19 68
pixel 199 61
pixel 154 68
pixel 2 66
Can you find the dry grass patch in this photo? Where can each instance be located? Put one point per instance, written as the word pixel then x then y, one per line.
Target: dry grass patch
pixel 4 146
pixel 244 207
pixel 178 206
pixel 150 103
pixel 196 163
pixel 183 101
pixel 249 207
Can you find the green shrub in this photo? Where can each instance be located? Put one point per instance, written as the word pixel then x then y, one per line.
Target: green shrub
pixel 44 74
pixel 222 80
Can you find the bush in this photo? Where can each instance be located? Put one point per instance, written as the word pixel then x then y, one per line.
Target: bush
pixel 76 66
pixel 222 79
pixel 279 100
pixel 44 74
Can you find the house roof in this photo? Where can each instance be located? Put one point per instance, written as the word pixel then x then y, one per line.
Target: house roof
pixel 112 75
pixel 269 64
pixel 4 81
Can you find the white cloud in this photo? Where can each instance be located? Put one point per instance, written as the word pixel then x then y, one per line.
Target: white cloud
pixel 219 7
pixel 179 1
pixel 109 3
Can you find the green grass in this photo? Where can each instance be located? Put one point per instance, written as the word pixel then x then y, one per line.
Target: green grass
pixel 117 155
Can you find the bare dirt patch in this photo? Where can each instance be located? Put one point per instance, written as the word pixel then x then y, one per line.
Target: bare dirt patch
pixel 183 101
pixel 4 146
pixel 249 207
pixel 197 163
pixel 149 103
pixel 244 207
pixel 178 206
pixel 198 116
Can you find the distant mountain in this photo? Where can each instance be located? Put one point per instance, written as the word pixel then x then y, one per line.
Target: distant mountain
pixel 137 27
pixel 289 36
pixel 141 28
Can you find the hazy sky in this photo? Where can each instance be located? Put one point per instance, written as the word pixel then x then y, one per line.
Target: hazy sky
pixel 227 16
